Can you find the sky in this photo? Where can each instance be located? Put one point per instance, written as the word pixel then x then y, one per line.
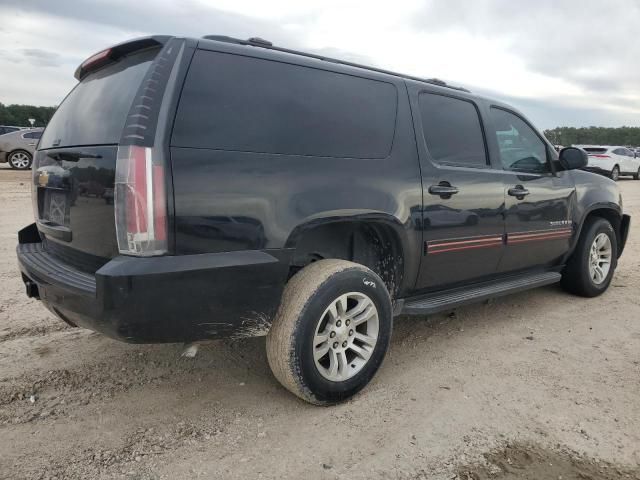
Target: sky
pixel 561 62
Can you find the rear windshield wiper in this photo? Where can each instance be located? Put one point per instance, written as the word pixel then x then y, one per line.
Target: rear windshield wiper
pixel 71 156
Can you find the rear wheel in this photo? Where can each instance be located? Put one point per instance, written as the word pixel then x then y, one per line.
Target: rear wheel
pixel 590 269
pixel 615 173
pixel 20 160
pixel 331 331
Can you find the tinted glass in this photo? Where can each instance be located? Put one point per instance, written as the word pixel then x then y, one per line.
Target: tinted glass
pixel 4 130
pixel 520 147
pixel 32 135
pixel 231 102
pixel 95 111
pixel 595 150
pixel 452 130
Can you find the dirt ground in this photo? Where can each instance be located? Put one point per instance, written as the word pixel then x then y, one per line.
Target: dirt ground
pixel 537 385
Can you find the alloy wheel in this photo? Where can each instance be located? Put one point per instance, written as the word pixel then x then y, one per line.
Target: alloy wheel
pixel 345 336
pixel 20 160
pixel 600 258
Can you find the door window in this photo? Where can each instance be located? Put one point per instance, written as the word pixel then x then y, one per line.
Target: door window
pixel 33 135
pixel 521 149
pixel 452 131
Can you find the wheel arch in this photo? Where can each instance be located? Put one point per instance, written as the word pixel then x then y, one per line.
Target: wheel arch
pixel 378 241
pixel 610 212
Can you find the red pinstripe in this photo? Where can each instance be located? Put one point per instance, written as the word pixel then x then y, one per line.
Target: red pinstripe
pixel 467 247
pixel 486 241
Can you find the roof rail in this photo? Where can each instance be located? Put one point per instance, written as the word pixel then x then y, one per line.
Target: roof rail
pixel 260 42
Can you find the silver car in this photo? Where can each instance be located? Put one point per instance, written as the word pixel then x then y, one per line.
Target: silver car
pixel 17 148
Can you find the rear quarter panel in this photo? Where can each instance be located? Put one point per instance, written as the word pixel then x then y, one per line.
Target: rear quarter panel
pixel 231 200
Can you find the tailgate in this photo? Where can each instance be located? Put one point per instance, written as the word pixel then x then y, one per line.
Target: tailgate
pixel 73 200
pixel 114 108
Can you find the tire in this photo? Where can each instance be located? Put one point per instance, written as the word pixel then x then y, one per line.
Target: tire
pixel 636 176
pixel 577 276
pixel 615 173
pixel 304 313
pixel 20 160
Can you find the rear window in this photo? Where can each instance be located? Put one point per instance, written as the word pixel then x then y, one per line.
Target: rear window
pixel 595 150
pixel 232 102
pixel 32 135
pixel 95 111
pixel 452 130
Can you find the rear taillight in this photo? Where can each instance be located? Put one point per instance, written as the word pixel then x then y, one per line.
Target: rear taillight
pixel 599 156
pixel 140 202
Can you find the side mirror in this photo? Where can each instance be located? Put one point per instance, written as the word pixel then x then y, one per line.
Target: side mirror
pixel 572 158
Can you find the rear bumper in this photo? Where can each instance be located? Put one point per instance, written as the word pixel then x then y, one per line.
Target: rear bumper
pixel 160 299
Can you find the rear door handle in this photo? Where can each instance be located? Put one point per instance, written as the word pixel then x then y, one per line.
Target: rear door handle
pixel 518 191
pixel 443 189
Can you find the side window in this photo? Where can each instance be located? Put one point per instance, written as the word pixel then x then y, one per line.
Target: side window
pixel 618 151
pixel 35 135
pixel 239 103
pixel 452 130
pixel 521 149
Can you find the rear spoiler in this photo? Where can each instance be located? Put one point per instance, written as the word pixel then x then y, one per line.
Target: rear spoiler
pixel 112 54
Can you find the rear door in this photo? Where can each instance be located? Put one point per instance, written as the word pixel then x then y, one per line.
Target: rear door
pixel 537 199
pixel 463 196
pixel 630 164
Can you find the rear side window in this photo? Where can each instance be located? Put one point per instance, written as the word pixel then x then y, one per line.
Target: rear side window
pixel 232 102
pixel 452 130
pixel 95 111
pixel 32 135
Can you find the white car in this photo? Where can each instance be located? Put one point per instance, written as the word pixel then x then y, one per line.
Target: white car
pixel 612 161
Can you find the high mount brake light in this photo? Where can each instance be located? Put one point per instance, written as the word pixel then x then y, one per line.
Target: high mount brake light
pixel 97 60
pixel 599 156
pixel 140 199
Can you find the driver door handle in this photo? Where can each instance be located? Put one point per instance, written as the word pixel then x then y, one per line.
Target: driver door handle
pixel 518 191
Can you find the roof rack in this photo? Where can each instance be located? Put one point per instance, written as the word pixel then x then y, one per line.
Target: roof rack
pixel 260 42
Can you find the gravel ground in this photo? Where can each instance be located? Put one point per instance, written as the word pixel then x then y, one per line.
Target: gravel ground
pixel 537 385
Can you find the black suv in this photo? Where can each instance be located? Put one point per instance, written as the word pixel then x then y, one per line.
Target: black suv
pixel 262 191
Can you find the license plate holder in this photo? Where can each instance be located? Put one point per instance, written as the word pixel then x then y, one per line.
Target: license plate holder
pixel 56 208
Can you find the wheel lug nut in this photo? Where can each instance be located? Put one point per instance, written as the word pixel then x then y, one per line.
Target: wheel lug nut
pixel 332 334
pixel 344 344
pixel 347 322
pixel 350 332
pixel 335 345
pixel 338 323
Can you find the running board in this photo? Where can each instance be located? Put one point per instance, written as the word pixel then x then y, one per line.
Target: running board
pixel 439 301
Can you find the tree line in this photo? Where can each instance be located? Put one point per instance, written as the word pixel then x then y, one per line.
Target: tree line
pixel 629 136
pixel 19 115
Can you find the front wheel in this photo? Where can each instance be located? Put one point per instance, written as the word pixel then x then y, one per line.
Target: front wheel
pixel 20 160
pixel 636 176
pixel 590 269
pixel 615 173
pixel 331 331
